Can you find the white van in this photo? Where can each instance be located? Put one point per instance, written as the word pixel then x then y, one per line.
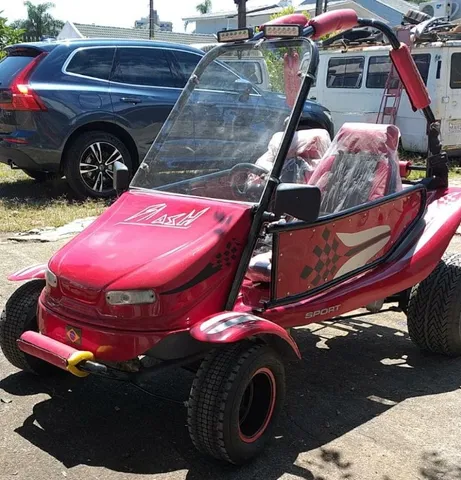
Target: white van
pixel 250 65
pixel 350 83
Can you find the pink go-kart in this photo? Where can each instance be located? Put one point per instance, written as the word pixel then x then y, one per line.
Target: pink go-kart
pixel 209 263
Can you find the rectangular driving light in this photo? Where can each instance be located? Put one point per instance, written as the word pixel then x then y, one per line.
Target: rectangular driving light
pixel 235 35
pixel 280 31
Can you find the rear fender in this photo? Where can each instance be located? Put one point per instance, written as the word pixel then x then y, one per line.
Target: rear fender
pixel 35 272
pixel 232 327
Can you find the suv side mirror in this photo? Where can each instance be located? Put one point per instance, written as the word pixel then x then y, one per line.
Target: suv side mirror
pixel 297 200
pixel 121 177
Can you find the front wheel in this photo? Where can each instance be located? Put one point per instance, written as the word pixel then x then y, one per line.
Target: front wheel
pixel 434 309
pixel 19 316
pixel 235 400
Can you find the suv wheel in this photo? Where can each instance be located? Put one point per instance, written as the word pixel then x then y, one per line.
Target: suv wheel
pixel 89 162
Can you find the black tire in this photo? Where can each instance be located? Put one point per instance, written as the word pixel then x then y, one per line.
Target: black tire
pixel 79 153
pixel 235 400
pixel 20 315
pixel 434 309
pixel 39 176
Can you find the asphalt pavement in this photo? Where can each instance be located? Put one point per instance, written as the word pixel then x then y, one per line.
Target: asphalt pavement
pixel 363 404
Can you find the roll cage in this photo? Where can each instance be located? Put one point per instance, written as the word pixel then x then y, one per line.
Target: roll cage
pixel 311 30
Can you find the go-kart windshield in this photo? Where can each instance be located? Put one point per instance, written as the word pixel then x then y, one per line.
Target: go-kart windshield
pixel 223 123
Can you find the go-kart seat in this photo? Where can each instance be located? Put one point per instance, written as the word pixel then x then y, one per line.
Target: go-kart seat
pixel 360 166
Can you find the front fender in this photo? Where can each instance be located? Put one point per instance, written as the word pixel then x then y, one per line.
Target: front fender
pixel 232 327
pixel 35 272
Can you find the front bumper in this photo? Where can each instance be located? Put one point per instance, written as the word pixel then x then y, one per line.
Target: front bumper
pixel 56 353
pixel 106 344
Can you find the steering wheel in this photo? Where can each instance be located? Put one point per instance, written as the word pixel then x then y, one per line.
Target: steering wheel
pixel 239 180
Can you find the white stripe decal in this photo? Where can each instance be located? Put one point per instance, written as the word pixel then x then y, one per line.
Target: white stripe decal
pixel 361 258
pixel 230 323
pixel 354 239
pixel 213 321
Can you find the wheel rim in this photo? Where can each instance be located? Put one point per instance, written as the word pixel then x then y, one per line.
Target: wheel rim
pixel 96 166
pixel 257 405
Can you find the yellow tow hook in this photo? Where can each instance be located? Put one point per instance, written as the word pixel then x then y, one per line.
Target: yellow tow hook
pixel 75 359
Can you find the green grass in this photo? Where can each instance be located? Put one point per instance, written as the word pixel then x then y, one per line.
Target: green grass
pixel 26 204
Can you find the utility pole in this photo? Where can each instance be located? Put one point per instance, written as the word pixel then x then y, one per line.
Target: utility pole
pixel 242 13
pixel 151 19
pixel 318 7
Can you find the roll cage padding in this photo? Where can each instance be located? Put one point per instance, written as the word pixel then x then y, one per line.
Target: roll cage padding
pixel 335 21
pixel 410 77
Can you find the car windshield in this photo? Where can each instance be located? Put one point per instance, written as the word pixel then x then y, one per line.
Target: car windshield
pixel 223 123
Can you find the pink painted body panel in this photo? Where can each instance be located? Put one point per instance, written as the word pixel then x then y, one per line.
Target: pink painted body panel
pixel 35 272
pixel 106 343
pixel 230 327
pixel 442 218
pixel 310 257
pixel 184 304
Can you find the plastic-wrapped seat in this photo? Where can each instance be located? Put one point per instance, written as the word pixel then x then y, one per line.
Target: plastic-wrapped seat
pixel 360 166
pixel 309 146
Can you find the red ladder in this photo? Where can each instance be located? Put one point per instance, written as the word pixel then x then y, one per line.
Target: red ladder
pixel 393 88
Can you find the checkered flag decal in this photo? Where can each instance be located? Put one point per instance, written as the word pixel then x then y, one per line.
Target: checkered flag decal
pixel 327 259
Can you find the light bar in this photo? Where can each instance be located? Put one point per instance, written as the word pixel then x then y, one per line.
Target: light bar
pixel 235 35
pixel 282 31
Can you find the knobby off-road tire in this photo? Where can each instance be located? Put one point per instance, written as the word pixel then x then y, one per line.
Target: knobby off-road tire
pixel 20 315
pixel 235 400
pixel 434 309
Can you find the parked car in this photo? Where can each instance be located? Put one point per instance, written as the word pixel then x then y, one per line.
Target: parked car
pixel 75 107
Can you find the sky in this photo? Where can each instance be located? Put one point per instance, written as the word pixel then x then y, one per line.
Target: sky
pixel 120 13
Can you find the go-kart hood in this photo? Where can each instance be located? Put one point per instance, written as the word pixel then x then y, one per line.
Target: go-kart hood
pixel 152 240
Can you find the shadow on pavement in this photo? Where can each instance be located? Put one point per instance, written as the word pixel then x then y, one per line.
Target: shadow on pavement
pixel 352 371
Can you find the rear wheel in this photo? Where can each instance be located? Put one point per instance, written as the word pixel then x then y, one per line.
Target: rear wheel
pixel 434 309
pixel 20 315
pixel 89 162
pixel 235 400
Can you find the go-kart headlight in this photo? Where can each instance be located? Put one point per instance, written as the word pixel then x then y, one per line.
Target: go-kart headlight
pixel 51 279
pixel 130 297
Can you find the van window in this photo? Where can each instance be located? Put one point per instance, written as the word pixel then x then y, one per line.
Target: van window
pixel 380 67
pixel 455 74
pixel 345 72
pixel 92 62
pixel 143 66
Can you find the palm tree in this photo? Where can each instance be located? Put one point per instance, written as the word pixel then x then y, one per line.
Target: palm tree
pixel 40 23
pixel 204 7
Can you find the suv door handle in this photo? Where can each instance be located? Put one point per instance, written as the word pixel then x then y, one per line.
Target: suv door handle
pixel 133 100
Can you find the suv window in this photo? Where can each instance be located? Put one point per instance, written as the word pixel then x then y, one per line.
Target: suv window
pixel 249 70
pixel 380 67
pixel 345 72
pixel 143 66
pixel 187 63
pixel 455 74
pixel 216 76
pixel 92 62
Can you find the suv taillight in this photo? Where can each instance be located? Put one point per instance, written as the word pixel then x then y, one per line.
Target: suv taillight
pixel 23 96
